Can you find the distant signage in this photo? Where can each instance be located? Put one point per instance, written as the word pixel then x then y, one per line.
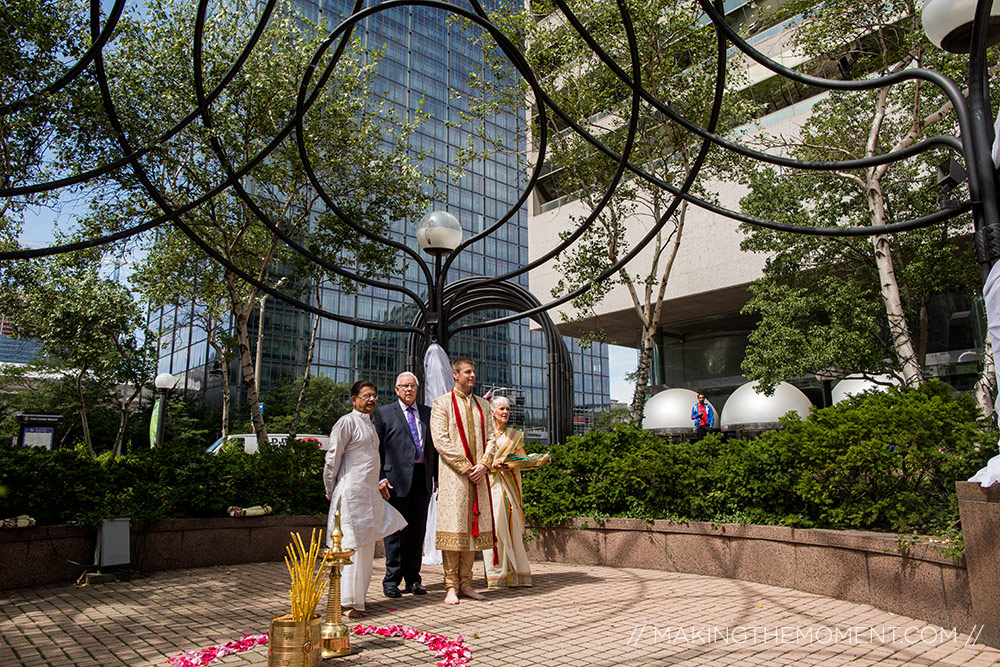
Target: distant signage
pixel 37 430
pixel 38 436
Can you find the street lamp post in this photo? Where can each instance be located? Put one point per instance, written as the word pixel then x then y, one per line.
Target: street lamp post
pixel 163 382
pixel 968 26
pixel 438 234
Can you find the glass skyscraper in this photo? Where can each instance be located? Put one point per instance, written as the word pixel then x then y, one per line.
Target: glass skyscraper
pixel 425 64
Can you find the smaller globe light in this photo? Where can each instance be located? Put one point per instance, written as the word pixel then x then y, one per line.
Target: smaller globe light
pixel 852 386
pixel 670 411
pixel 948 23
pixel 164 381
pixel 439 233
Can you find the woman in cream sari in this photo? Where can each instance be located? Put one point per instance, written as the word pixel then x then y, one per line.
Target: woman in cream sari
pixel 507 566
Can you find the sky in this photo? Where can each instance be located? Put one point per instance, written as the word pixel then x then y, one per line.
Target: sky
pixel 621 361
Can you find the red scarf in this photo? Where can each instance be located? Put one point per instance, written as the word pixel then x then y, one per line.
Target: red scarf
pixel 468 455
pixel 702 415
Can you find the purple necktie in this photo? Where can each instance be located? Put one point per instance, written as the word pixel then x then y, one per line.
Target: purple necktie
pixel 411 419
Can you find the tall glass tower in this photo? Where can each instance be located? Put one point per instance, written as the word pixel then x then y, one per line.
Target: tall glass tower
pixel 425 64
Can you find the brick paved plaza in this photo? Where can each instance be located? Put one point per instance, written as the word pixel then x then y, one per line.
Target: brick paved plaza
pixel 574 615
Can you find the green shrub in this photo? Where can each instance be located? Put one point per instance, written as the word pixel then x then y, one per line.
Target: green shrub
pixel 170 481
pixel 880 461
pixel 884 461
pixel 624 472
pixel 888 460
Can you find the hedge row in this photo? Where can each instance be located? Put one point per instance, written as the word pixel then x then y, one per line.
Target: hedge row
pixel 171 481
pixel 886 461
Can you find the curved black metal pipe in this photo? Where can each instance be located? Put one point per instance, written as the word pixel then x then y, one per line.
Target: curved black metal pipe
pixel 237 184
pixel 132 156
pixel 983 185
pixel 472 295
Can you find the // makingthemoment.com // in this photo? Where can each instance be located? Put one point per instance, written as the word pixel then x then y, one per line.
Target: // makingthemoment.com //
pixel 645 634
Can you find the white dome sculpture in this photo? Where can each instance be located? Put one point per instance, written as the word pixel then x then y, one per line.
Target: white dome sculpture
pixel 851 386
pixel 670 411
pixel 748 409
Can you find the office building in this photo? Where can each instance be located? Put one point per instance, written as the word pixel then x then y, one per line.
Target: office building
pixel 702 334
pixel 426 63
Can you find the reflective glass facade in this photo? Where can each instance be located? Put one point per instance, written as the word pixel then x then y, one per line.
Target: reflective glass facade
pixel 425 64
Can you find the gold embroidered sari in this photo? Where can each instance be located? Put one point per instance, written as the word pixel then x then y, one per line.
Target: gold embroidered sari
pixel 508 566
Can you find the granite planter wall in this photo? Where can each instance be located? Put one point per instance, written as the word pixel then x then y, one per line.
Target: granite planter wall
pixel 58 554
pixel 980 513
pixel 44 555
pixel 912 580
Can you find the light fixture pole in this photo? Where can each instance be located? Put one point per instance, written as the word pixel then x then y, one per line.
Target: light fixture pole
pixel 968 26
pixel 163 382
pixel 438 234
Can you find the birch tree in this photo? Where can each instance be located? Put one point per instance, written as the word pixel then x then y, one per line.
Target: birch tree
pixel 677 53
pixel 855 305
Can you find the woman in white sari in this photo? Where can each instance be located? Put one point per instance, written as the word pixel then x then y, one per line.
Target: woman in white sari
pixel 507 566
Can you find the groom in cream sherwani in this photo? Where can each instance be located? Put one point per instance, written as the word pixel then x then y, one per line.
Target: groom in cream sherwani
pixel 462 432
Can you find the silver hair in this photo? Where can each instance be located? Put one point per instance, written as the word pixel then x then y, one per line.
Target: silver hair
pixel 407 374
pixel 497 400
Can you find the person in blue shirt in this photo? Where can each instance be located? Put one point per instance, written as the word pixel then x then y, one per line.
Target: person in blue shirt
pixel 703 417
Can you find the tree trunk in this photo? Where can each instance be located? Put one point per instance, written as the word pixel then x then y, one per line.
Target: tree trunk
pixel 902 341
pixel 294 427
pixel 220 352
pixel 83 412
pixel 241 315
pixel 923 333
pixel 123 421
pixel 986 385
pixel 226 396
pixel 260 340
pixel 638 406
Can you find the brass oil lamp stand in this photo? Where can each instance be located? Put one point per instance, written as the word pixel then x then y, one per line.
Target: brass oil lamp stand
pixel 336 638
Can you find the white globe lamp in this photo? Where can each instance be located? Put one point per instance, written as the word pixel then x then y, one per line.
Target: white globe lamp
pixel 439 233
pixel 948 23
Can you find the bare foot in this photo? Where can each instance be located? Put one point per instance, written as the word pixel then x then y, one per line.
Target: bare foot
pixel 451 597
pixel 351 612
pixel 468 592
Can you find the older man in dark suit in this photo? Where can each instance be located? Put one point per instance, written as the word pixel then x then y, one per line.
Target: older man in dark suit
pixel 409 469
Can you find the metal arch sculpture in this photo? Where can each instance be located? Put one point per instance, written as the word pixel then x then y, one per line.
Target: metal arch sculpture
pixel 471 295
pixel 973 144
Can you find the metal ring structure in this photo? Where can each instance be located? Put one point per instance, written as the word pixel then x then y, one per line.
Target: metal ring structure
pixel 499 292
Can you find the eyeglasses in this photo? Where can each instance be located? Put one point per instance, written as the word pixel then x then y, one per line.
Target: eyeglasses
pixel 368 397
pixel 406 386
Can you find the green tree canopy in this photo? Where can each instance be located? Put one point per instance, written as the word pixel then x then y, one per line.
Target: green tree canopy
pixel 356 146
pixel 854 305
pixel 90 328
